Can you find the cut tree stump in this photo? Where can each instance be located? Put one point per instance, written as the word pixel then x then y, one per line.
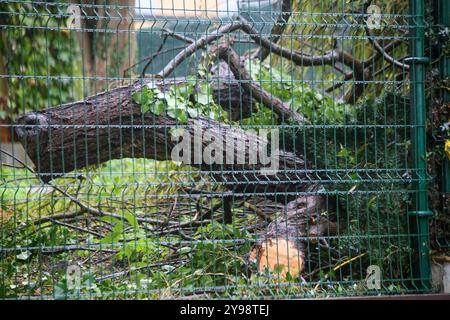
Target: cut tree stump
pixel 280 256
pixel 281 247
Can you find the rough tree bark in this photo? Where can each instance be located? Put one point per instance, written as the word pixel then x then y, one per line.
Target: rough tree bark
pixel 111 126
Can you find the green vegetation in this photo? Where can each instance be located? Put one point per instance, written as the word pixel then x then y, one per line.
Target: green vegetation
pixel 42 59
pixel 148 236
pixel 180 102
pixel 143 232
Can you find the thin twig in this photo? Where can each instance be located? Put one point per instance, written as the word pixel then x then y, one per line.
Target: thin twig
pixel 25 166
pixel 97 212
pixel 383 52
pixel 61 249
pixel 70 226
pixel 152 56
pixel 157 53
pixel 177 36
pixel 57 217
pixel 3 164
pixel 258 211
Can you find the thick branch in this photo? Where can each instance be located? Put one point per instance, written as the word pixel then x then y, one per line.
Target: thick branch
pixel 298 58
pixel 384 53
pixel 111 126
pixel 277 29
pixel 330 58
pixel 198 44
pixel 226 53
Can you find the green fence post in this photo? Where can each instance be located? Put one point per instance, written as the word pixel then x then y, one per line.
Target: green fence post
pixel 444 20
pixel 419 218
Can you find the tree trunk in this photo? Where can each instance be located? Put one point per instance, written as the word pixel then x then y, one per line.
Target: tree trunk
pixel 110 48
pixel 111 126
pixel 5 132
pixel 281 248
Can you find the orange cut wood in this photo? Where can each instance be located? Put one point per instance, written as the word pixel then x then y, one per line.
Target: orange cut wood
pixel 5 134
pixel 279 256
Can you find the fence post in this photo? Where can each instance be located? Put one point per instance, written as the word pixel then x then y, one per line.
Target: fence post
pixel 444 66
pixel 419 217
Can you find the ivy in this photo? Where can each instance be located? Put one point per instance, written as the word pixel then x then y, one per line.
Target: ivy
pixel 180 102
pixel 43 53
pixel 318 108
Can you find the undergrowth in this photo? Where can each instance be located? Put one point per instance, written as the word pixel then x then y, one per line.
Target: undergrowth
pixel 146 236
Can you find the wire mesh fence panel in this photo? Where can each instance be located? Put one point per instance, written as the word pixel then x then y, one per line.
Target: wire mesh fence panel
pixel 213 149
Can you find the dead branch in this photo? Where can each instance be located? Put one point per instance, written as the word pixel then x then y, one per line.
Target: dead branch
pixel 283 110
pixel 360 69
pixel 169 32
pixel 77 228
pixel 384 53
pixel 157 53
pixel 56 217
pixel 198 44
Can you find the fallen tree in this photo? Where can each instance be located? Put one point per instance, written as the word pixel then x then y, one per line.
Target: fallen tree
pixel 111 125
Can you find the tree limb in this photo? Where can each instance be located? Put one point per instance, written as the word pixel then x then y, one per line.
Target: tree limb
pixel 384 53
pixel 282 109
pixel 198 44
pixel 277 29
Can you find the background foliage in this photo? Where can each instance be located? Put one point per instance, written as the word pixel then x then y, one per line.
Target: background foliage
pixel 39 57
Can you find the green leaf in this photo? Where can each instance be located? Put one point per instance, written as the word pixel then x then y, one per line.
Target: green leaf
pixel 203 98
pixel 137 97
pixel 158 107
pixel 145 108
pixel 171 101
pixel 184 250
pixel 343 153
pixel 193 112
pixel 183 117
pixel 159 94
pixel 144 96
pixel 131 220
pixel 178 114
pixel 278 268
pixel 110 219
pixel 114 235
pixel 24 255
pixel 177 132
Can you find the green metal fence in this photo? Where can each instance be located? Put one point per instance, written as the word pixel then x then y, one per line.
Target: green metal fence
pixel 221 149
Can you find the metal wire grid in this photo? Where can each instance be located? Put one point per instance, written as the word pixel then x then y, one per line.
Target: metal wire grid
pixel 134 227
